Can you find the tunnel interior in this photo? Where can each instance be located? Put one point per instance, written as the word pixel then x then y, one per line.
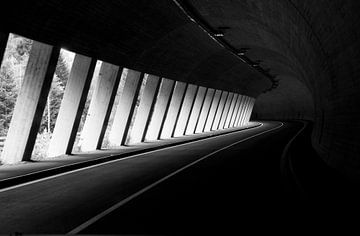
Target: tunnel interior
pixel 311 48
pixel 190 112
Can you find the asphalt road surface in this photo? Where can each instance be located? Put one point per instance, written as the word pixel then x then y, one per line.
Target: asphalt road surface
pixel 227 183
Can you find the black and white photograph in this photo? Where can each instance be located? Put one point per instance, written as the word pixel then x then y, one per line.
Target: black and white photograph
pixel 180 117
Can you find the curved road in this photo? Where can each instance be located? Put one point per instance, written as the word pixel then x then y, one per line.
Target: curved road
pixel 225 183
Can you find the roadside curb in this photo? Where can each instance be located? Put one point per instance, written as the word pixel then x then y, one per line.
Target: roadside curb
pixel 12 181
pixel 286 163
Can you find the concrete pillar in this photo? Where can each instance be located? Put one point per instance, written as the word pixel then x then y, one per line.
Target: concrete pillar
pixel 72 106
pixel 213 108
pixel 30 103
pixel 3 41
pixel 100 107
pixel 146 105
pixel 173 110
pixel 220 110
pixel 195 113
pixel 236 111
pixel 251 105
pixel 185 110
pixel 243 113
pixel 242 122
pixel 248 112
pixel 162 102
pixel 125 107
pixel 226 111
pixel 205 109
pixel 231 110
pixel 241 109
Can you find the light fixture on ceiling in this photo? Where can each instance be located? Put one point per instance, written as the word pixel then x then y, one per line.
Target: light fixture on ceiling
pixel 218 34
pixel 220 31
pixel 242 51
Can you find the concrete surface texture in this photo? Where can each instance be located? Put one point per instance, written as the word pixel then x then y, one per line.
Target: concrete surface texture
pixel 37 81
pixel 158 115
pixel 313 47
pixel 100 106
pixel 74 99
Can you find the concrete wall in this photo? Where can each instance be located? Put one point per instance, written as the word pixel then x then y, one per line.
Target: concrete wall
pixel 291 100
pixel 313 47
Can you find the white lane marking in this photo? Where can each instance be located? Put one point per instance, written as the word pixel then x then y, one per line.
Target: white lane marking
pixel 284 157
pixel 138 193
pixel 121 159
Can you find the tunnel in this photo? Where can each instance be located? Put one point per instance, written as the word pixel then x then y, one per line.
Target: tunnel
pixel 188 68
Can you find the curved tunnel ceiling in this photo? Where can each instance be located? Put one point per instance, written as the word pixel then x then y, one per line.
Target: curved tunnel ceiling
pixel 260 26
pixel 156 38
pixel 314 48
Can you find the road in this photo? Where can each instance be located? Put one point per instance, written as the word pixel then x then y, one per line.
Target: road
pixel 229 182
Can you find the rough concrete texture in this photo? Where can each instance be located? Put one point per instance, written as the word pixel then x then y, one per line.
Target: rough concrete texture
pixel 185 109
pixel 219 110
pixel 212 112
pixel 204 111
pixel 100 106
pixel 242 111
pixel 162 102
pixel 143 111
pixel 231 111
pixel 195 112
pixel 30 104
pixel 124 108
pixel 226 111
pixel 174 109
pixel 237 111
pixel 72 106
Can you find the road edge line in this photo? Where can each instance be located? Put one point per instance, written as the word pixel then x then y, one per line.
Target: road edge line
pixel 143 190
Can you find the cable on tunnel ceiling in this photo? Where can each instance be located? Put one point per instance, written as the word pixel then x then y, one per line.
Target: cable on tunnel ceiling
pixel 217 36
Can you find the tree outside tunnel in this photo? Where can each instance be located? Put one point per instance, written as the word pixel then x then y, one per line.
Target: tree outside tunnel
pixel 11 76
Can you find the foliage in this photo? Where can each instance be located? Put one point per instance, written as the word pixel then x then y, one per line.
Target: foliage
pixel 8 94
pixel 11 73
pixel 55 96
pixel 41 146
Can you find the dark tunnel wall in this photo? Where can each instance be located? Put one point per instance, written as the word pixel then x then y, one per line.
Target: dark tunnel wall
pixel 291 100
pixel 316 42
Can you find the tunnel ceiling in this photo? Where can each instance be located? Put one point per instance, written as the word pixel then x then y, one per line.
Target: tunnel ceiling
pixel 156 38
pixel 314 48
pixel 266 29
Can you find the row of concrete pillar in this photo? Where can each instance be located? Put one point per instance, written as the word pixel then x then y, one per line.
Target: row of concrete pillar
pixel 163 108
